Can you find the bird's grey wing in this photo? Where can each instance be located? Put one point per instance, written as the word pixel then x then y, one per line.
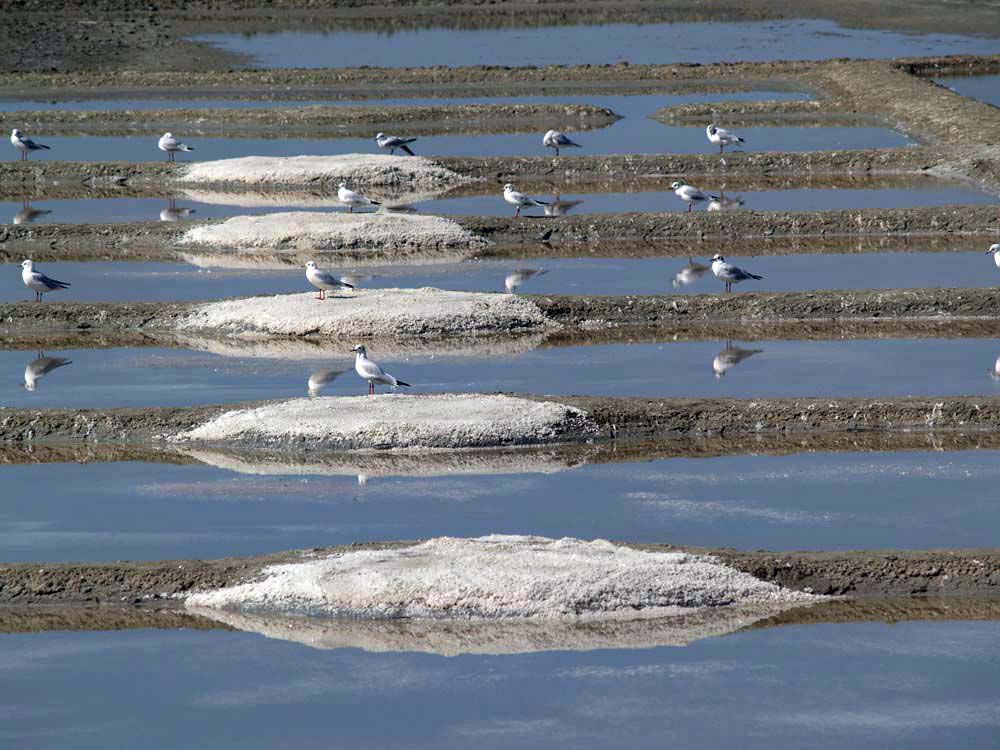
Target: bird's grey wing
pixel 45 365
pixel 370 369
pixel 328 278
pixel 49 282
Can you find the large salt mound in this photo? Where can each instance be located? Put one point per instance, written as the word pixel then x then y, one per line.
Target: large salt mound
pixel 509 636
pixel 363 171
pixel 309 231
pixel 499 577
pixel 429 421
pixel 372 312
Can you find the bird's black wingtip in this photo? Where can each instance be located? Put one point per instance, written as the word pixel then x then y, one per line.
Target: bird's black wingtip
pixel 400 382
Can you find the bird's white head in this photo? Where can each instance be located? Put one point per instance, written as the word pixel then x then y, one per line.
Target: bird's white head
pixel 675 185
pixel 16 133
pixel 995 248
pixel 711 129
pixel 508 186
pixel 360 349
pixel 379 136
pixel 311 264
pixel 717 257
pixel 27 264
pixel 343 185
pixel 168 135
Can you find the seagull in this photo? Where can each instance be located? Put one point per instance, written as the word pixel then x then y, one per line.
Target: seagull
pixel 995 252
pixel 557 139
pixel 518 277
pixel 729 273
pixel 39 368
pixel 392 142
pixel 370 371
pixel 721 137
pixel 38 282
pixel 24 144
pixel 171 145
pixel 691 195
pixel 324 280
pixel 352 199
pixel 173 213
pixel 27 214
pixel 689 274
pixel 322 378
pixel 730 357
pixel 519 199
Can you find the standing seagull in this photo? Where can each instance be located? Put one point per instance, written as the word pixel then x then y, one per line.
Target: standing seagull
pixel 995 252
pixel 370 371
pixel 38 282
pixel 39 368
pixel 516 198
pixel 691 195
pixel 171 145
pixel 24 144
pixel 721 137
pixel 392 142
pixel 352 199
pixel 324 280
pixel 557 139
pixel 729 273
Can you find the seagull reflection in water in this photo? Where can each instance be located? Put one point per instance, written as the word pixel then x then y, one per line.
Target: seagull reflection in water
pixel 27 214
pixel 558 207
pixel 689 274
pixel 173 212
pixel 995 372
pixel 320 379
pixel 40 367
pixel 721 203
pixel 730 357
pixel 518 277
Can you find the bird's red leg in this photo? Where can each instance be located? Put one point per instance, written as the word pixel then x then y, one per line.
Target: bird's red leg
pixel 690 206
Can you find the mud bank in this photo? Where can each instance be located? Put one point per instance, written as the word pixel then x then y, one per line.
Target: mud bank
pixel 596 418
pixel 888 572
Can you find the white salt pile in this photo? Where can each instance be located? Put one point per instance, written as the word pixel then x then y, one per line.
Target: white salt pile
pixel 362 171
pixel 431 421
pixel 311 231
pixel 376 312
pixel 499 577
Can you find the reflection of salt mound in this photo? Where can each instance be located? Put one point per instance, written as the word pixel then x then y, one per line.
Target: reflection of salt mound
pixel 336 351
pixel 376 312
pixel 392 463
pixel 363 171
pixel 454 637
pixel 499 577
pixel 308 231
pixel 395 421
pixel 287 198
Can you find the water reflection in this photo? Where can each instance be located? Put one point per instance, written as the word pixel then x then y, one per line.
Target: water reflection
pixel 722 203
pixel 689 274
pixel 322 378
pixel 995 373
pixel 27 214
pixel 518 277
pixel 40 367
pixel 730 357
pixel 173 212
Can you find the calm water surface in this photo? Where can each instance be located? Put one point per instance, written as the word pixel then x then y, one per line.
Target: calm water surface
pixel 984 88
pixel 575 45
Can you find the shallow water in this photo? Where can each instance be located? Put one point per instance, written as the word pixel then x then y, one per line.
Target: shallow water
pixel 174 377
pixel 112 511
pixel 576 45
pixel 984 88
pixel 167 282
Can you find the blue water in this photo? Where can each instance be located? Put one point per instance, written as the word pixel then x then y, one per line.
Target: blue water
pixel 576 45
pixel 984 88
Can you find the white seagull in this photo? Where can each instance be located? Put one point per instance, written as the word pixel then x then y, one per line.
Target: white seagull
pixel 691 195
pixel 518 277
pixel 995 252
pixel 516 198
pixel 171 145
pixel 722 137
pixel 730 357
pixel 24 144
pixel 729 273
pixel 352 199
pixel 391 142
pixel 38 282
pixel 39 368
pixel 324 280
pixel 370 371
pixel 557 139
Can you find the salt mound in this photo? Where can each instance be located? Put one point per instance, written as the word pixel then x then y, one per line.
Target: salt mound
pixel 395 421
pixel 375 312
pixel 499 577
pixel 310 231
pixel 363 171
pixel 496 637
